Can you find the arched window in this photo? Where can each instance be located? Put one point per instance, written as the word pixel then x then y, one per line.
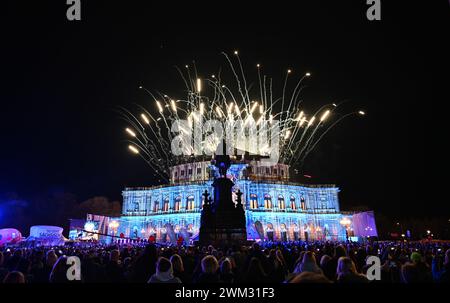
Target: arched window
pixel 253 201
pixel 295 231
pixel 190 229
pixel 155 206
pixel 136 206
pixel 203 198
pixel 323 201
pixel 283 232
pixel 177 204
pixel 269 231
pixel 166 204
pixel 190 203
pixel 281 203
pixel 293 205
pixel 303 203
pixel 267 201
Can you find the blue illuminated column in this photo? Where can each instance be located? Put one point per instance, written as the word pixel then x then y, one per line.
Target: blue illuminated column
pixel 336 199
pixel 148 202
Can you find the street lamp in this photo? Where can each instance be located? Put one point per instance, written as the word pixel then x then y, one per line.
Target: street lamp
pixel 318 232
pixel 114 225
pixel 346 222
pixel 400 226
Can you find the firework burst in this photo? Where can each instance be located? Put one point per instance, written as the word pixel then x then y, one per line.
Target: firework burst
pixel 151 132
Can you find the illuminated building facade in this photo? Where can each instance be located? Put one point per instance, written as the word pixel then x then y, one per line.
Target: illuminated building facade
pixel 275 208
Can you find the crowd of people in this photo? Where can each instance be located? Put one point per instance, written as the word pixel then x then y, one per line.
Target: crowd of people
pixel 293 262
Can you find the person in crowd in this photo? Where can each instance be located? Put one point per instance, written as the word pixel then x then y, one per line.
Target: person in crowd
pixel 36 268
pixel 359 257
pixel 209 270
pixel 271 262
pixel 50 260
pixel 416 271
pixel 339 251
pixel 3 270
pixel 255 272
pixel 442 275
pixel 280 271
pixel 310 277
pixel 113 269
pixel 164 272
pixel 127 268
pixel 346 272
pixel 189 260
pixel 14 277
pixel 145 265
pixel 59 271
pixel 298 262
pixel 391 266
pixel 226 273
pixel 239 255
pixel 308 264
pixel 257 252
pixel 18 262
pixel 178 268
pixel 327 271
pixel 92 269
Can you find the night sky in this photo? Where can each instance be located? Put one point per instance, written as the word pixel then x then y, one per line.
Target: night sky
pixel 61 81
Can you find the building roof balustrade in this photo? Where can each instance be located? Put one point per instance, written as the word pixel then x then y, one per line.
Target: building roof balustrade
pixel 298 211
pixel 275 182
pixel 324 210
pixel 166 185
pixel 160 212
pixel 206 182
pixel 286 210
pixel 135 213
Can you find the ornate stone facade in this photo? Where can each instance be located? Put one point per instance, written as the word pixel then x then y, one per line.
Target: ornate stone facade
pixel 275 208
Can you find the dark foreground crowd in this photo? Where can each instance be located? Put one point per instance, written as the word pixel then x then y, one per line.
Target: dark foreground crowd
pixel 296 262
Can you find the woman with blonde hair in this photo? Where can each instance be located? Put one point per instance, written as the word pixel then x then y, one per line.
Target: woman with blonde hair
pixel 178 268
pixel 14 277
pixel 209 274
pixel 347 273
pixel 226 271
pixel 308 264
